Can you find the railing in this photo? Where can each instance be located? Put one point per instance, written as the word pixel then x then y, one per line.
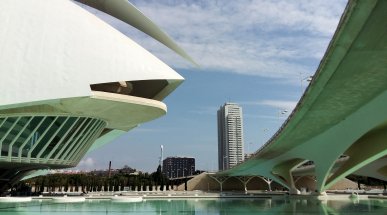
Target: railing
pixel 284 124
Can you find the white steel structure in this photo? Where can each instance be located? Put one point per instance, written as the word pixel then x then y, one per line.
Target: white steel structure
pixel 71 82
pixel 230 136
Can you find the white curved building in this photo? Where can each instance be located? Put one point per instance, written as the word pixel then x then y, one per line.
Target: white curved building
pixel 69 80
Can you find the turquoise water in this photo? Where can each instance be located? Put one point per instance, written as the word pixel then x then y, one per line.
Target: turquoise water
pixel 183 207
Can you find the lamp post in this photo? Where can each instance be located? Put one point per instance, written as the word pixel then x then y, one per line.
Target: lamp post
pixel 307 79
pixel 281 112
pixel 264 131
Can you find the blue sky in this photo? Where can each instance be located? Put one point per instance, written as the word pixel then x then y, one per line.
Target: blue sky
pixel 255 53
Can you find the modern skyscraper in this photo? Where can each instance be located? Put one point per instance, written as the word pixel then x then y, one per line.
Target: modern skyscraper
pixel 230 136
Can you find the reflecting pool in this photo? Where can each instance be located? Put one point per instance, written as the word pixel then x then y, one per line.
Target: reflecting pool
pixel 202 206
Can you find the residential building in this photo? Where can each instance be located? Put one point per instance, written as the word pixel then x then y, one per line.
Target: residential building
pixel 230 136
pixel 175 167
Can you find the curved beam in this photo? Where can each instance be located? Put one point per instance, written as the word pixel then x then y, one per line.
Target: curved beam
pixel 267 180
pixel 367 149
pixel 285 169
pixel 128 13
pixel 221 180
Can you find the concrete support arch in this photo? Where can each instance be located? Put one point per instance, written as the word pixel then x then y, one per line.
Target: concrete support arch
pixel 267 180
pixel 244 180
pixel 346 138
pixel 220 179
pixel 283 172
pixel 367 149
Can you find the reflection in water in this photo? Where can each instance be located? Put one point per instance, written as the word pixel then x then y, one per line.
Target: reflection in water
pixel 202 206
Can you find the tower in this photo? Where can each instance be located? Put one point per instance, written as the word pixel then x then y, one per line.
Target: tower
pixel 161 157
pixel 230 136
pixel 110 169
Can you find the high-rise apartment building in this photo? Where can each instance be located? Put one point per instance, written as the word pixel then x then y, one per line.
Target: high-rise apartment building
pixel 175 167
pixel 230 136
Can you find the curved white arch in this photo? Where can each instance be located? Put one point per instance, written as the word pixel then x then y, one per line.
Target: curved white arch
pixel 127 12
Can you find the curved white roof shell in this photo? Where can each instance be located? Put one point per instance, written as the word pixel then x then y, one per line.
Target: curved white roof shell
pixel 63 49
pixel 70 82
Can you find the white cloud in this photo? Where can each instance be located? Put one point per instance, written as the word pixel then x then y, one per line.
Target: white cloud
pixel 268 38
pixel 87 163
pixel 288 105
pixel 266 117
pixel 280 104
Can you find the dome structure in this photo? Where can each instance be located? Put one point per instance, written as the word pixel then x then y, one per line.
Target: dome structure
pixel 70 80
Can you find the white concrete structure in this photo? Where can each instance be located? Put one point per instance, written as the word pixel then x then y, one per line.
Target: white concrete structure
pixel 230 136
pixel 69 80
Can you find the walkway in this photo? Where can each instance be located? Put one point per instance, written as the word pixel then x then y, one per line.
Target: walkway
pixel 343 111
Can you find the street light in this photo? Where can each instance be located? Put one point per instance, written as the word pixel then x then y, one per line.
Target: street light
pixel 281 112
pixel 264 131
pixel 307 79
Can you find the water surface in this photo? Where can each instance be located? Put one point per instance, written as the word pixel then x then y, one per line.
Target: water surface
pixel 202 206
